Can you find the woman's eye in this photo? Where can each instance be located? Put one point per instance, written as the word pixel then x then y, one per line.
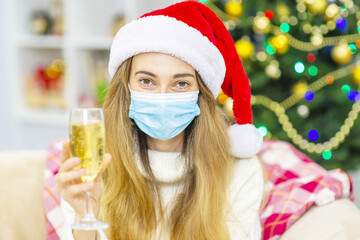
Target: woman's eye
pixel 183 84
pixel 145 81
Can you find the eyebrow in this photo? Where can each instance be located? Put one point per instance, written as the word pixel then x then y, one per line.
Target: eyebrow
pixel 145 72
pixel 179 75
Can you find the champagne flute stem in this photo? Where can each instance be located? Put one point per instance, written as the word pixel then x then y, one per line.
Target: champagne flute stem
pixel 89 214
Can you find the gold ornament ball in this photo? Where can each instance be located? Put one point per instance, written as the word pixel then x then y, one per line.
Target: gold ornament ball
pixel 341 53
pixel 356 76
pixel 261 24
pixel 317 6
pixel 300 88
pixel 233 8
pixel 282 10
pixel 244 48
pixel 280 42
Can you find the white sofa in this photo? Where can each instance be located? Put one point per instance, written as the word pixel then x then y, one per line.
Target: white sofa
pixel 22 213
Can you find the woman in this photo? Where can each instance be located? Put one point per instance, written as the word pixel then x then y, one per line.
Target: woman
pixel 177 171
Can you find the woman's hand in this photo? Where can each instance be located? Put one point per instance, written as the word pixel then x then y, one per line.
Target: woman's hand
pixel 70 186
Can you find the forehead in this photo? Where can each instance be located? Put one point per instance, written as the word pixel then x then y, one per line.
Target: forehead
pixel 160 62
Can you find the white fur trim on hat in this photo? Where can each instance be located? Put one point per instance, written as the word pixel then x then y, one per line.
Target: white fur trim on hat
pixel 167 35
pixel 246 140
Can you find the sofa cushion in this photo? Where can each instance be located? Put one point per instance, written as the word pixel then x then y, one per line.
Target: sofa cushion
pixel 337 220
pixel 21 189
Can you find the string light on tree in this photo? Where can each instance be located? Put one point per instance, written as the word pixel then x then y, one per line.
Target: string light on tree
pixel 313 135
pixel 273 70
pixel 263 131
pixel 269 14
pixel 309 95
pixel 332 11
pixel 303 111
pixel 299 67
pixel 327 154
pixel 261 24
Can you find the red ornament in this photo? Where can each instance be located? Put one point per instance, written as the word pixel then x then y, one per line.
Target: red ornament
pixel 311 58
pixel 269 14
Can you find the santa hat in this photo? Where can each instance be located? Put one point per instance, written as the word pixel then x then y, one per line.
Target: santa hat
pixel 193 33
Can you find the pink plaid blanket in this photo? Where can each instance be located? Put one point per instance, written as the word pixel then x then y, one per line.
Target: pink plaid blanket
pixel 295 183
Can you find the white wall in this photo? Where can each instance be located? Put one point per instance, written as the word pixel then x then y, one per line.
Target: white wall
pixel 8 132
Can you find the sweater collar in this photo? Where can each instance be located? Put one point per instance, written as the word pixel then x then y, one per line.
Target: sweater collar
pixel 167 167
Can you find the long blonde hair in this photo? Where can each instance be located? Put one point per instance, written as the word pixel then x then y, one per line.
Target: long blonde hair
pixel 130 202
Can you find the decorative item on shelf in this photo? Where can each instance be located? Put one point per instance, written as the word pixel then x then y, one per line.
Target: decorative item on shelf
pixel 244 48
pixel 341 53
pixel 41 23
pixel 56 13
pixel 48 21
pixel 95 84
pixel 118 22
pixel 44 88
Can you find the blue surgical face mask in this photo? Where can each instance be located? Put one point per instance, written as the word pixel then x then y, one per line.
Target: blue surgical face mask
pixel 163 116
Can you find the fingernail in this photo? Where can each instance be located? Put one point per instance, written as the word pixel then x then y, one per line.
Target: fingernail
pixel 76 160
pixel 81 172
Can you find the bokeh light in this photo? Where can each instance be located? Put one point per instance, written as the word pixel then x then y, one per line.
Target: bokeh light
pixel 353 96
pixel 330 79
pixel 327 154
pixel 284 27
pixel 313 71
pixel 269 14
pixel 313 135
pixel 309 95
pixel 357 43
pixel 352 48
pixel 270 49
pixel 345 89
pixel 299 67
pixel 263 130
pixel 341 24
pixel 310 57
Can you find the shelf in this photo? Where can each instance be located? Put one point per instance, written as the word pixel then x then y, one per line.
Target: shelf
pixel 45 42
pixel 91 43
pixel 46 117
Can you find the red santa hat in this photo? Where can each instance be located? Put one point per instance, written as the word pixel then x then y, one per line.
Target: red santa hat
pixel 193 33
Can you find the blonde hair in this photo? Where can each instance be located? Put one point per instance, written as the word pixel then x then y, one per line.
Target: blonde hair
pixel 130 202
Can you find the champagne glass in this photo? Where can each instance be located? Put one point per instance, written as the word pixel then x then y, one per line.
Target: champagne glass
pixel 87 142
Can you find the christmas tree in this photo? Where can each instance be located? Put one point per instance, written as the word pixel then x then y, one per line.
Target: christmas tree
pixel 303 62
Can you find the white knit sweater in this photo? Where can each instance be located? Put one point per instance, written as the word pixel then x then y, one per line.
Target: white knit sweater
pixel 244 194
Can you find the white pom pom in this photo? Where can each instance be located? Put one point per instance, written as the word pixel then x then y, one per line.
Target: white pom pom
pixel 246 140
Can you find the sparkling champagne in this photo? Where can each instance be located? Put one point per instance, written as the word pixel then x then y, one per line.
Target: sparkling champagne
pixel 87 143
